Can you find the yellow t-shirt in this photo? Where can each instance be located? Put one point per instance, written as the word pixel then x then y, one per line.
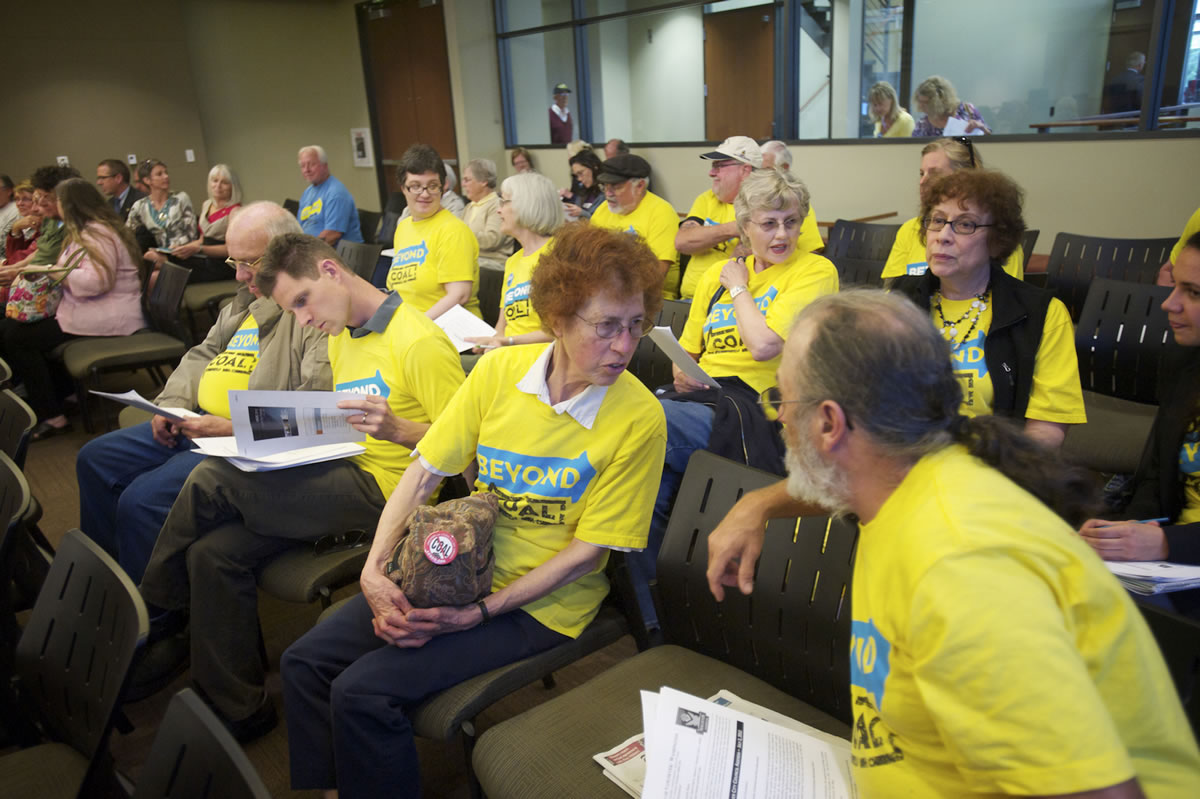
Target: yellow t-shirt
pixel 1056 395
pixel 779 291
pixel 229 371
pixel 556 480
pixel 711 211
pixel 714 212
pixel 993 653
pixel 1190 229
pixel 413 365
pixel 901 128
pixel 908 254
pixel 515 307
pixel 1189 472
pixel 431 252
pixel 657 223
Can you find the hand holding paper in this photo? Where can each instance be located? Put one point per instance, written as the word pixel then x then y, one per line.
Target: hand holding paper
pixel 459 323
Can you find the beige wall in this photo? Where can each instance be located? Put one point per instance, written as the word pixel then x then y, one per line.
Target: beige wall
pixel 1107 187
pixel 275 75
pixel 77 86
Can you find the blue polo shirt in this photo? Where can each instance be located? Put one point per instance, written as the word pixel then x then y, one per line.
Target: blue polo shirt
pixel 329 206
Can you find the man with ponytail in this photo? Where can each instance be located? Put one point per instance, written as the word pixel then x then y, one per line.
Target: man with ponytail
pixel 991 650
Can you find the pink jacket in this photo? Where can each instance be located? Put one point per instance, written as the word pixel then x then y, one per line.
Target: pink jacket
pixel 89 306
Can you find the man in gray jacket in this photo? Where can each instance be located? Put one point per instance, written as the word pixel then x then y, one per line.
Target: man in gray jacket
pixel 129 479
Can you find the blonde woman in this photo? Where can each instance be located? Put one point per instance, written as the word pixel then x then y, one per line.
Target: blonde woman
pixel 207 252
pixel 938 101
pixel 890 119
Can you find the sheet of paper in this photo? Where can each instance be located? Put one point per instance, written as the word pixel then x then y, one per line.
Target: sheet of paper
pixel 226 447
pixel 267 422
pixel 958 127
pixel 664 337
pixel 136 400
pixel 702 750
pixel 388 253
pixel 1154 570
pixel 459 323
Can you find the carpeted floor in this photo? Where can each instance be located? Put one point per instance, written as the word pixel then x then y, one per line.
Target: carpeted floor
pixel 50 468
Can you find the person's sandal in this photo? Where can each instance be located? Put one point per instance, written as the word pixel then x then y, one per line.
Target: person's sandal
pixel 46 430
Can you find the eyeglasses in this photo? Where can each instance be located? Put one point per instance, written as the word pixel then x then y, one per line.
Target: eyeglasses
pixel 963 227
pixel 723 164
pixel 235 263
pixel 611 328
pixel 965 141
pixel 104 177
pixel 772 225
pixel 771 401
pixel 433 189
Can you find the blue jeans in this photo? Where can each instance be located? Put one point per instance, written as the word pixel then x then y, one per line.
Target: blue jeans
pixel 348 695
pixel 689 426
pixel 127 485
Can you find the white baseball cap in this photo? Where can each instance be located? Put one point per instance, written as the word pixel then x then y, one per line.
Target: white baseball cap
pixel 737 148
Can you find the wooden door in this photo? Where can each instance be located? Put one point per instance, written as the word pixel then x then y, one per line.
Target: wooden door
pixel 408 81
pixel 739 73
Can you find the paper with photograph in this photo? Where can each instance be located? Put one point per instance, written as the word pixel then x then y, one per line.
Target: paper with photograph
pixel 267 422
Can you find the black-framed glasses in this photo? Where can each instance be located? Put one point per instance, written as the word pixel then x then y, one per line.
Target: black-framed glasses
pixel 611 328
pixel 965 141
pixel 234 263
pixel 723 164
pixel 963 227
pixel 433 189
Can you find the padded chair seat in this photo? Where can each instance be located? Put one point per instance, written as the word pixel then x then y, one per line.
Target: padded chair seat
pixel 298 575
pixel 563 731
pixel 114 352
pixel 197 296
pixel 45 771
pixel 1115 434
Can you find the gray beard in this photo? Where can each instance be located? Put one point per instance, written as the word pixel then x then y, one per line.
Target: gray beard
pixel 816 482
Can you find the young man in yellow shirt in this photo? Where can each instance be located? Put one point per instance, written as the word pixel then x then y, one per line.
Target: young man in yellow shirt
pixel 226 523
pixel 992 653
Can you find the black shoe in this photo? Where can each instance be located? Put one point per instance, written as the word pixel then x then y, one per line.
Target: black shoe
pixel 46 430
pixel 254 726
pixel 160 663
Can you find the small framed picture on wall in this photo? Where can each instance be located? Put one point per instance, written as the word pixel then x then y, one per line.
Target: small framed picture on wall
pixel 360 145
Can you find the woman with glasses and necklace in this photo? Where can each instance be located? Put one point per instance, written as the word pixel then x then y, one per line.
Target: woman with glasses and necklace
pixel 1013 344
pixel 436 261
pixel 570 445
pixel 939 157
pixel 740 315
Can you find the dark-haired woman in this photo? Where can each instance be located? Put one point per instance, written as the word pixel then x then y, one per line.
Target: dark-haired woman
pixel 585 193
pixel 101 296
pixel 1013 344
pixel 571 444
pixel 166 216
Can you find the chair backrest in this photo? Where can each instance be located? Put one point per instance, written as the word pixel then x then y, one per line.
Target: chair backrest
pixel 1120 338
pixel 195 757
pixel 1179 640
pixel 1075 260
pixel 5 372
pixel 858 272
pixel 387 227
pixel 14 499
pixel 368 222
pixel 361 258
pixel 860 240
pixel 1027 243
pixel 17 421
pixel 491 288
pixel 166 299
pixel 794 630
pixel 292 206
pixel 649 363
pixel 73 659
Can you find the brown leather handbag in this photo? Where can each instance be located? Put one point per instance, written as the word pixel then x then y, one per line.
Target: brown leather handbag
pixel 445 556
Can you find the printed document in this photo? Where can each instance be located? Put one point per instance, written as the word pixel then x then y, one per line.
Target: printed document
pixel 136 400
pixel 269 422
pixel 664 337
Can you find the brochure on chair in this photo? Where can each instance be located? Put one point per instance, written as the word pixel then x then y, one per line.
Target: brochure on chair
pixel 136 400
pixel 703 750
pixel 272 422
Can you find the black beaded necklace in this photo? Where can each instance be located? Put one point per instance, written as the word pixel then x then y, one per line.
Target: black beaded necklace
pixel 950 329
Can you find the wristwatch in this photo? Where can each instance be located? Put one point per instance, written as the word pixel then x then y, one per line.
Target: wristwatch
pixel 735 291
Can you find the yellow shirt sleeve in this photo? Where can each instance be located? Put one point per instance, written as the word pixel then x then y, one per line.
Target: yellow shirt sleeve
pixel 1011 722
pixel 661 228
pixel 449 444
pixel 456 253
pixel 1056 395
pixel 1190 229
pixel 810 234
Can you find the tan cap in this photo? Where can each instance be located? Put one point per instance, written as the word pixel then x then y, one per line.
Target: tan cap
pixel 737 148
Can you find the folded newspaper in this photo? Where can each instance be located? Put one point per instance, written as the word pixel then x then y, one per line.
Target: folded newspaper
pixel 1149 577
pixel 823 762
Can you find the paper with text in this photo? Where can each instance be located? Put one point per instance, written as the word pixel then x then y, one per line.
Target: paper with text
pixel 267 422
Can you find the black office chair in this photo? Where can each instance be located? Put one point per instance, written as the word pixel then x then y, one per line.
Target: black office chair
pixel 860 240
pixel 361 258
pixel 195 757
pixel 649 363
pixel 368 223
pixel 1076 260
pixel 292 206
pixel 1179 639
pixel 802 586
pixel 491 290
pixel 1027 243
pixel 1120 340
pixel 858 272
pixel 72 665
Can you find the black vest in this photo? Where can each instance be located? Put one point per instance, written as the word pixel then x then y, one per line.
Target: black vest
pixel 1011 344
